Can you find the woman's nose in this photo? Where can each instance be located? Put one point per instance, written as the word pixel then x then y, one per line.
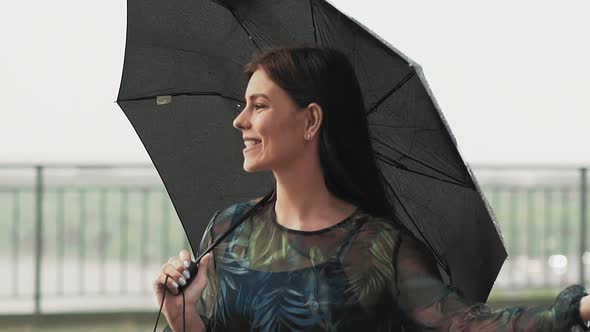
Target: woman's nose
pixel 240 121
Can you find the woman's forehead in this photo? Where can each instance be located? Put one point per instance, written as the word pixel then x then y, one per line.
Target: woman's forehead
pixel 260 85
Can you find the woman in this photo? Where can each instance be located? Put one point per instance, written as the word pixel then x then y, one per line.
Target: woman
pixel 324 252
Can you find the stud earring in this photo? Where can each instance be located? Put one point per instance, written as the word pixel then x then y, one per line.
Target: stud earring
pixel 308 136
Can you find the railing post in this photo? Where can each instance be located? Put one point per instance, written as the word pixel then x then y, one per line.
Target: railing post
pixel 583 220
pixel 38 234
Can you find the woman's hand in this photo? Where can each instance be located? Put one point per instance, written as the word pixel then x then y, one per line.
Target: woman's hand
pixel 585 308
pixel 176 269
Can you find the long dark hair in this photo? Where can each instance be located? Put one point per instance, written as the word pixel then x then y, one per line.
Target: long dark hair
pixel 325 76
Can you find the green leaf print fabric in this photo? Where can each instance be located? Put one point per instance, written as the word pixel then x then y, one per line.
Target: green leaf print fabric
pixel 362 274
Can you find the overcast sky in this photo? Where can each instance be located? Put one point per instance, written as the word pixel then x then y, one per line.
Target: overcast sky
pixel 512 77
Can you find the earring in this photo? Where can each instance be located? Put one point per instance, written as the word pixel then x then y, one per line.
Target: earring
pixel 308 136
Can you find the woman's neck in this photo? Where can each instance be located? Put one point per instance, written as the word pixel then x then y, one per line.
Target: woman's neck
pixel 303 202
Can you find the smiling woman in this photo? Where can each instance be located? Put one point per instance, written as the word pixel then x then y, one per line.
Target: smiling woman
pixel 323 250
pixel 272 124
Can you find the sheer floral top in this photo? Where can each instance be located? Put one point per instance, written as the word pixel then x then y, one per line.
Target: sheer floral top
pixel 362 274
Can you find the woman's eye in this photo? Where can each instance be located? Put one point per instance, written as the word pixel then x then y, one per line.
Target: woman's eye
pixel 257 106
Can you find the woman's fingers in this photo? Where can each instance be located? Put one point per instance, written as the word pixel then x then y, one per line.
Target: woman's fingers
pixel 173 274
pixel 177 273
pixel 167 280
pixel 201 280
pixel 184 255
pixel 171 284
pixel 176 269
pixel 197 286
pixel 181 266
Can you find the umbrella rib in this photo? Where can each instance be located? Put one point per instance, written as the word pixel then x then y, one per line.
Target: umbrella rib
pixel 187 94
pixel 401 166
pixel 199 52
pixel 315 36
pixel 390 92
pixel 404 167
pixel 239 22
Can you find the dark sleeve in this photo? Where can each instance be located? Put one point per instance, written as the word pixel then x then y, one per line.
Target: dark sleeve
pixel 205 303
pixel 431 304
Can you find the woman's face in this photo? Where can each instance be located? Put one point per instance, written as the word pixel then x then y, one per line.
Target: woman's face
pixel 273 119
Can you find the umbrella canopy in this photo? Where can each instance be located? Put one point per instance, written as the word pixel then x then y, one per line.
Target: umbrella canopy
pixel 183 84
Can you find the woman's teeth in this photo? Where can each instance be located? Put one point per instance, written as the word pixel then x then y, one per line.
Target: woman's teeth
pixel 249 143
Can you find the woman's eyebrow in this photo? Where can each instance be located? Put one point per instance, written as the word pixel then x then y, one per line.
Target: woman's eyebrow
pixel 259 95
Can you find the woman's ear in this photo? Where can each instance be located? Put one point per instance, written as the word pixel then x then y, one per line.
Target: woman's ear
pixel 314 121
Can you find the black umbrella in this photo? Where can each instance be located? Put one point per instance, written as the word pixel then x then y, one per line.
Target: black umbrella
pixel 183 84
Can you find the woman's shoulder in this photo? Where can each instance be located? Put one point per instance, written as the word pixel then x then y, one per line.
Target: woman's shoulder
pixel 372 230
pixel 238 208
pixel 383 230
pixel 225 217
pixel 374 225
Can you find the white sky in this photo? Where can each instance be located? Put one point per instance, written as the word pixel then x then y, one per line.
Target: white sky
pixel 512 77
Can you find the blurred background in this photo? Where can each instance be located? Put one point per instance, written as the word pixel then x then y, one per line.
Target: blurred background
pixel 85 223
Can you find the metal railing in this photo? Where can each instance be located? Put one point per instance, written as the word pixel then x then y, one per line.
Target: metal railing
pixel 543 214
pixel 71 234
pixel 78 234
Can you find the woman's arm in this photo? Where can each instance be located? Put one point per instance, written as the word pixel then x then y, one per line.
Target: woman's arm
pixel 429 303
pixel 198 310
pixel 186 312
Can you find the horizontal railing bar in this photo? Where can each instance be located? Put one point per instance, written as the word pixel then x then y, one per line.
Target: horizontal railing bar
pixel 76 165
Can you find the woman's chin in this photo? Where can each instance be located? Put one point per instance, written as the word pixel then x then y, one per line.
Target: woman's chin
pixel 250 167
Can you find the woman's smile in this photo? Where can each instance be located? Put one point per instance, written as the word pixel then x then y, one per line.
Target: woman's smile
pixel 250 146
